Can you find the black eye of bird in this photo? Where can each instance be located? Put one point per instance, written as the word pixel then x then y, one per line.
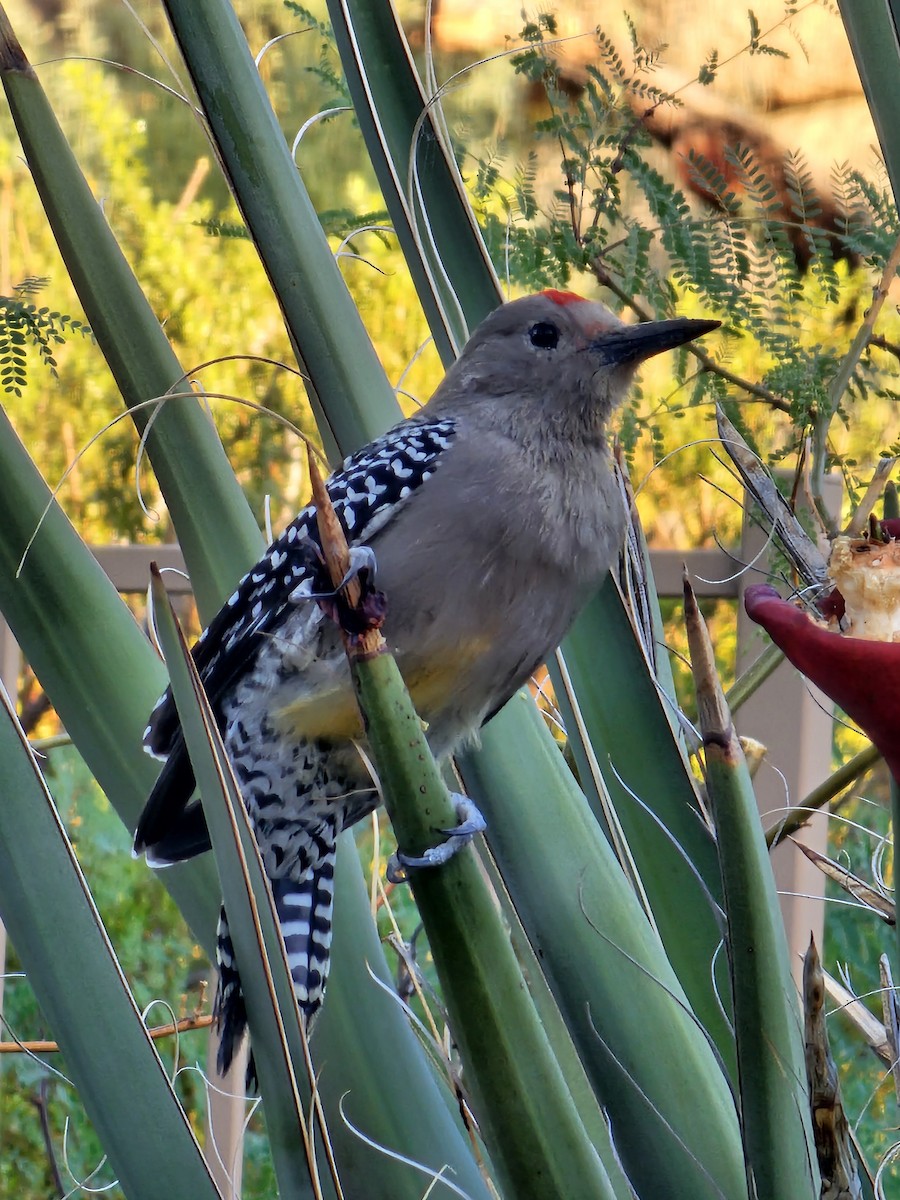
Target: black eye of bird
pixel 544 336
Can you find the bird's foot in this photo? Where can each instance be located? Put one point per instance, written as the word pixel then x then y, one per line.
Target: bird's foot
pixel 362 559
pixel 470 822
pixel 368 612
pixel 362 566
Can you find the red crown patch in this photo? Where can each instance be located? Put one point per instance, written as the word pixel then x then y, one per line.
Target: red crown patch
pixel 563 298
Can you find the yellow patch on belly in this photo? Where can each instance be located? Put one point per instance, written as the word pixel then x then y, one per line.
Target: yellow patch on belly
pixel 334 714
pixel 431 682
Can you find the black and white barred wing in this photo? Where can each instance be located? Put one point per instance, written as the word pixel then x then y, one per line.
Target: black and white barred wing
pixel 368 490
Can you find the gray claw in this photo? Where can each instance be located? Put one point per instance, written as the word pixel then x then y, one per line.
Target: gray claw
pixel 362 558
pixel 470 822
pixel 395 870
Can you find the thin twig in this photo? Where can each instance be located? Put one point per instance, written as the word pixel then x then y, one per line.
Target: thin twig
pixel 831 789
pixel 845 372
pixel 882 343
pixel 185 1025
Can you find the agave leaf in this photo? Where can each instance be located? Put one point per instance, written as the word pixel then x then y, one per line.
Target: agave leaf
pixel 348 389
pixel 597 948
pixel 652 797
pixel 56 600
pixel 417 173
pixel 138 353
pixel 593 1116
pixel 531 1126
pixel 774 1111
pixel 372 1069
pixel 58 935
pixel 279 1046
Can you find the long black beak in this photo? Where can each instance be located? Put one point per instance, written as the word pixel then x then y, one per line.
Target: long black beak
pixel 634 343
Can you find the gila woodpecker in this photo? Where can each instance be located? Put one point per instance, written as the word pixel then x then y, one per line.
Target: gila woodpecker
pixel 492 514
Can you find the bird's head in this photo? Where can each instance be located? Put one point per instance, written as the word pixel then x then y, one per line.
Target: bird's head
pixel 554 359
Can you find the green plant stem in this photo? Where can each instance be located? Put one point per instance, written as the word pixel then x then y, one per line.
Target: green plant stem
pixel 531 1127
pixel 778 1141
pixel 836 783
pixel 754 677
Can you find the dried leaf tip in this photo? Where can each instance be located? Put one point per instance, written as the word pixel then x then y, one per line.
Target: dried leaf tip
pixel 357 608
pixel 813 980
pixel 331 535
pixel 690 600
pixel 12 56
pixel 712 710
pixel 833 1138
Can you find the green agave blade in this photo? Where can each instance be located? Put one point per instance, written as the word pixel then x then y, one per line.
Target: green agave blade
pixel 67 956
pixel 620 715
pixel 198 482
pixel 97 667
pixel 418 177
pixel 774 1105
pixel 622 1002
pixel 564 1051
pixel 323 321
pixel 272 1012
pixel 872 27
pixel 531 1126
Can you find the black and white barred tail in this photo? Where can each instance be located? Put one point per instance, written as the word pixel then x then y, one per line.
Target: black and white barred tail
pixel 304 914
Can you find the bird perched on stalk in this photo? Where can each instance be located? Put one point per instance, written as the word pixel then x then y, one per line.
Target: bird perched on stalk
pixel 491 514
